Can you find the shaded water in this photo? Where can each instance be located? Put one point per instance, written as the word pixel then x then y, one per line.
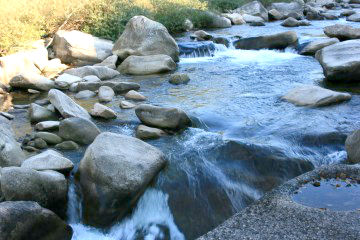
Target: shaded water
pixel 245 140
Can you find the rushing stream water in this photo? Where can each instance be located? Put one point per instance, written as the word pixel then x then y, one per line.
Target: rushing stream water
pixel 245 140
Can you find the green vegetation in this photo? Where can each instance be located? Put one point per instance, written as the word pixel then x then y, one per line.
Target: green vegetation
pixel 23 21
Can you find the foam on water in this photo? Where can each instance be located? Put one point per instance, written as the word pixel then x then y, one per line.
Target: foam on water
pixel 149 219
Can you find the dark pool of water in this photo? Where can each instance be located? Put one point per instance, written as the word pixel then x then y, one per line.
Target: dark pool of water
pixel 332 194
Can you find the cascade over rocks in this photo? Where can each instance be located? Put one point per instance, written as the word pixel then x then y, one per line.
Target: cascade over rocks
pixel 341 61
pixel 79 130
pixel 276 41
pixel 113 174
pixel 48 188
pixel 254 8
pixel 312 47
pixel 314 96
pixel 144 37
pixel 66 106
pixel 342 32
pixel 145 65
pixel 104 73
pixel 28 220
pixel 167 118
pixel 10 151
pixel 78 48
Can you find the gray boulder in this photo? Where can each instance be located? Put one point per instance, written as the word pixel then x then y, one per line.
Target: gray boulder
pixel 102 111
pixel 342 32
pixel 276 41
pixel 341 61
pixel 354 18
pixel 290 22
pixel 347 13
pixel 216 21
pixel 144 132
pixel 314 96
pixel 113 174
pixel 91 78
pixel 101 72
pixel 66 106
pixel 47 125
pixel 143 37
pixel 275 15
pixel 235 18
pixel 352 146
pixel 167 118
pixel 65 80
pixel 118 87
pixel 134 95
pixel 48 188
pixel 202 35
pixel 287 8
pixel 127 105
pixel 252 19
pixel 10 151
pixel 109 62
pixel 49 160
pixel 145 65
pixel 106 94
pixel 31 81
pixel 179 78
pixel 49 138
pixel 312 47
pixel 254 8
pixel 78 48
pixel 79 130
pixel 67 146
pixel 38 113
pixel 85 94
pixel 28 220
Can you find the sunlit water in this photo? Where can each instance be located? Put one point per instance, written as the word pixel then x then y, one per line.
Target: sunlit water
pixel 244 142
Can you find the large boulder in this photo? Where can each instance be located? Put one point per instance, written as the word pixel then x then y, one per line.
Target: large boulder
pixel 48 188
pixel 38 113
pixel 252 19
pixel 78 48
pixel 254 8
pixel 352 146
pixel 118 87
pixel 113 174
pixel 342 32
pixel 79 130
pixel 216 21
pixel 143 37
pixel 235 18
pixel 101 72
pixel 275 15
pixel 10 151
pixel 109 62
pixel 159 117
pixel 49 160
pixel 286 8
pixel 31 81
pixel 314 96
pixel 341 61
pixel 312 47
pixel 32 61
pixel 354 18
pixel 276 41
pixel 66 106
pixel 28 220
pixel 144 65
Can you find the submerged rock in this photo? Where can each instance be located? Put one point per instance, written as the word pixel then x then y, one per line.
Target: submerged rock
pixel 144 37
pixel 49 160
pixel 113 174
pixel 79 130
pixel 276 41
pixel 179 78
pixel 312 47
pixel 78 48
pixel 67 146
pixel 341 61
pixel 144 132
pixel 10 151
pixel 342 32
pixel 66 106
pixel 144 65
pixel 28 220
pixel 352 146
pixel 168 118
pixel 314 96
pixel 48 188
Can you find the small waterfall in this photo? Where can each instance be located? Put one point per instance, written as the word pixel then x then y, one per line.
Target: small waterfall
pixel 151 220
pixel 200 49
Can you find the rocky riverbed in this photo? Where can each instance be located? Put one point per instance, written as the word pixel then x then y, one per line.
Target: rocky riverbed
pixel 170 139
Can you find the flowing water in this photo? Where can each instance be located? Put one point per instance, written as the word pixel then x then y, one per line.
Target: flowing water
pixel 245 141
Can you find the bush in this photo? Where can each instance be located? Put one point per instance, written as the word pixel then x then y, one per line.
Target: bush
pixel 225 5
